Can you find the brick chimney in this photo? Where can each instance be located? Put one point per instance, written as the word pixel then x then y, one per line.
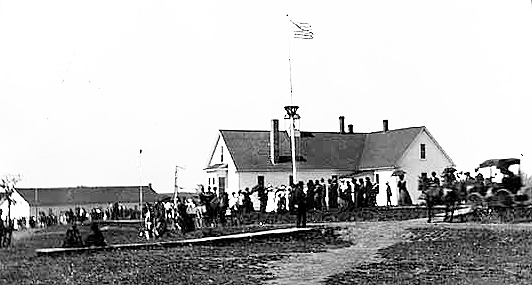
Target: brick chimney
pixel 342 124
pixel 350 128
pixel 385 125
pixel 274 141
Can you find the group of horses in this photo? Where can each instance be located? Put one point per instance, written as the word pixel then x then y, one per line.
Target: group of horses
pixel 453 192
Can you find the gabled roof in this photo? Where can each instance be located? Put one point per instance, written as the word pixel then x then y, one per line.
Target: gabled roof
pixel 384 149
pixel 250 150
pixel 87 195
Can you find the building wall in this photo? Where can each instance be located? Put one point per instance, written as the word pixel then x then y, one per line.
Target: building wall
pixel 414 165
pixel 212 177
pixel 233 180
pixel 19 209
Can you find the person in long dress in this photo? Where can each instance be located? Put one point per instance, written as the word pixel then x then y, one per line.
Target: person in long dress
pixel 271 204
pixel 404 196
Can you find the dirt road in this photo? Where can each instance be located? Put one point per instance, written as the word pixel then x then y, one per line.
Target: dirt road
pixel 368 237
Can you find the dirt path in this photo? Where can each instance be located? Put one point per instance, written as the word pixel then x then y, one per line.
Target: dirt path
pixel 368 237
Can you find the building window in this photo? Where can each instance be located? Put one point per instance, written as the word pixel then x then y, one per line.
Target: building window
pixel 221 154
pixel 260 180
pixel 423 151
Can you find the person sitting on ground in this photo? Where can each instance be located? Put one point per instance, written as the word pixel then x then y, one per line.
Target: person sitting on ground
pixel 73 237
pixel 95 238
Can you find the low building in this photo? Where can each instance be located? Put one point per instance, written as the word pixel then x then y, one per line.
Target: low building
pixel 57 200
pixel 20 209
pixel 244 158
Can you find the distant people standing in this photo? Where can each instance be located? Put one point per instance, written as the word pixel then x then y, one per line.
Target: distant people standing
pixel 301 205
pixel 370 193
pixel 388 194
pixel 263 197
pixel 333 194
pixel 247 204
pixel 318 195
pixel 364 195
pixel 348 195
pixel 271 201
pixel 354 194
pixel 310 195
pixel 2 230
pixel 325 194
pixel 359 194
pixel 404 196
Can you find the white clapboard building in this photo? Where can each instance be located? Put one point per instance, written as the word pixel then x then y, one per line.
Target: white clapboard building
pixel 244 158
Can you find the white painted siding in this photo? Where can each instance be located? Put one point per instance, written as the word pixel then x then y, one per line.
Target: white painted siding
pixel 386 176
pixel 212 178
pixel 233 181
pixel 19 209
pixel 414 165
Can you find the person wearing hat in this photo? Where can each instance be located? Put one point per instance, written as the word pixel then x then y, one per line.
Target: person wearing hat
pixel 468 177
pixel 388 194
pixel 73 237
pixel 434 180
pixel 301 205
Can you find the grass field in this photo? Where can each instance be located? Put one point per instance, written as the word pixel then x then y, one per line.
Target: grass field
pixel 236 263
pixel 426 254
pixel 450 256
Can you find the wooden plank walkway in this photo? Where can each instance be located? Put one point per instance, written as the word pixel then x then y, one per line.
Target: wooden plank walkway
pixel 457 213
pixel 205 240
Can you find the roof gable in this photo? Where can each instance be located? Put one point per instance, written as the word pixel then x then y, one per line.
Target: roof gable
pixel 87 195
pixel 385 149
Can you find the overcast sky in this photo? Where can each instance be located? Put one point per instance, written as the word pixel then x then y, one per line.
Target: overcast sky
pixel 85 85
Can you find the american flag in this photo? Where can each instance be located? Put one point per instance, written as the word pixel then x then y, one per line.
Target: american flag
pixel 302 30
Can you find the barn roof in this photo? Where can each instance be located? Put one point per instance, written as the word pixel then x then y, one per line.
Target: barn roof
pixel 250 150
pixel 87 195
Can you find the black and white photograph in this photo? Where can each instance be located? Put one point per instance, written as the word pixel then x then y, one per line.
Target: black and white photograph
pixel 265 142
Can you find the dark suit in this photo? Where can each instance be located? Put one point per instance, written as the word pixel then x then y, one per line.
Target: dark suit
pixel 301 202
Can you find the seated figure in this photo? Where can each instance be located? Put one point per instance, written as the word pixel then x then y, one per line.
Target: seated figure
pixel 73 238
pixel 95 238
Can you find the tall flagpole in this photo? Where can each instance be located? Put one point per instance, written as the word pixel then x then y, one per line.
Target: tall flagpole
pixel 290 62
pixel 303 31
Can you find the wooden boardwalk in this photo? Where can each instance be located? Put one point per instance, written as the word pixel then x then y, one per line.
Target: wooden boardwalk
pixel 462 211
pixel 197 241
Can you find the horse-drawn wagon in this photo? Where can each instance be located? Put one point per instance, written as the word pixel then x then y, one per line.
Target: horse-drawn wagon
pixel 508 192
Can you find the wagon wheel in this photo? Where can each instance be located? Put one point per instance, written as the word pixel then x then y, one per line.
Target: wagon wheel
pixel 475 200
pixel 504 198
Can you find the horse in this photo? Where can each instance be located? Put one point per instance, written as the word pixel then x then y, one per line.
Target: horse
pixel 447 195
